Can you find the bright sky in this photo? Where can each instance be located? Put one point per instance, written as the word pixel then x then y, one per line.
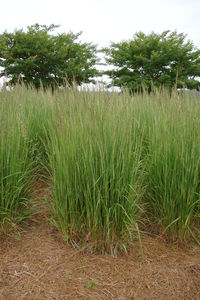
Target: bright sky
pixel 103 21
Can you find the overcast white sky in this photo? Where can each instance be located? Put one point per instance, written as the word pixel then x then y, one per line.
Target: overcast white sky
pixel 103 21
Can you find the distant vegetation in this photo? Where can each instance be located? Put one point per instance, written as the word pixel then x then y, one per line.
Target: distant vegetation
pixel 117 164
pixel 39 56
pixel 165 59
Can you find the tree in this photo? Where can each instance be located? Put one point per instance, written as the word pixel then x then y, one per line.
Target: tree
pixel 38 56
pixel 165 59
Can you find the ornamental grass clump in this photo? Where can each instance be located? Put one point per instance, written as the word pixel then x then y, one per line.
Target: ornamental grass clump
pixel 97 169
pixel 16 174
pixel 173 167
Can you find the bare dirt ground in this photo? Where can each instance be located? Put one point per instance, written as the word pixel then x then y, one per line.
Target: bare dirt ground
pixel 39 265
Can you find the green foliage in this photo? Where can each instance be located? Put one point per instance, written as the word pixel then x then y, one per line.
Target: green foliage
pixel 165 59
pixel 114 161
pixel 97 169
pixel 16 169
pixel 68 277
pixel 36 57
pixel 92 284
pixel 172 164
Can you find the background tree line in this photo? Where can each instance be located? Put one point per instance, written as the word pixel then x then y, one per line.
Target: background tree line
pixel 37 56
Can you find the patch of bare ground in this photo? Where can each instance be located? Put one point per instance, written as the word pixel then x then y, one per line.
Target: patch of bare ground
pixel 39 265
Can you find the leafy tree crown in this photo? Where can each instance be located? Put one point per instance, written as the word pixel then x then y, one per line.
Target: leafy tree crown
pixel 156 59
pixel 38 56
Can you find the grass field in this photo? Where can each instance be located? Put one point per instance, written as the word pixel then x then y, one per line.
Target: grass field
pixel 118 165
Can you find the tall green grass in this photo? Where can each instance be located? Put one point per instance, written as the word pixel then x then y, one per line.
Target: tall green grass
pixel 24 118
pixel 96 160
pixel 15 165
pixel 38 115
pixel 115 162
pixel 173 166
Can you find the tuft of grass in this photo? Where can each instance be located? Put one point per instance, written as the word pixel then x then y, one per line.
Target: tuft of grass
pixel 173 166
pixel 92 284
pixel 15 166
pixel 116 163
pixel 97 170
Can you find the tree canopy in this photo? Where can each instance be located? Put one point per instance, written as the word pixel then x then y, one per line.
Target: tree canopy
pixel 165 59
pixel 38 56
